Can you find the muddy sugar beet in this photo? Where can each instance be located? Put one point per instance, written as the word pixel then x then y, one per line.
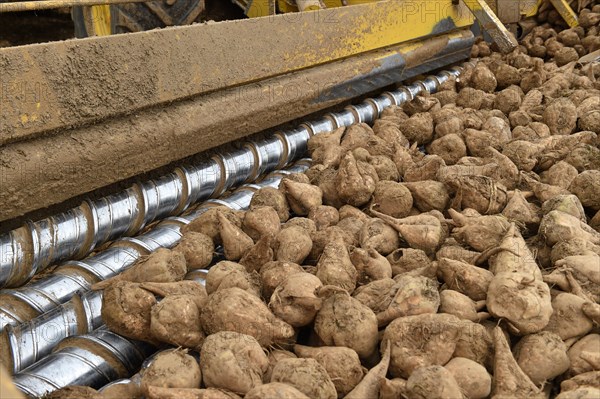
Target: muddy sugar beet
pixel 451 250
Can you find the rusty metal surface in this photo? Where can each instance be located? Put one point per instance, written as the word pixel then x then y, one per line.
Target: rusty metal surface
pixel 38 173
pixel 55 85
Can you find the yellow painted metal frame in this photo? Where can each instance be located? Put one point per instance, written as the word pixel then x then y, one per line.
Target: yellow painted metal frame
pixel 311 38
pixel 339 3
pixel 97 20
pixel 483 10
pixel 527 8
pixel 101 20
pixel 407 20
pixel 260 8
pixel 530 8
pixel 285 6
pixel 492 25
pixel 565 11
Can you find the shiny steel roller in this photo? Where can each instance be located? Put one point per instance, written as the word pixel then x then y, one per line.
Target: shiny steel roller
pixel 22 304
pixel 93 360
pixel 27 343
pixel 75 233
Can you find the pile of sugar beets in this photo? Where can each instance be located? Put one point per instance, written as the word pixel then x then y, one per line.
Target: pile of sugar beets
pixel 468 270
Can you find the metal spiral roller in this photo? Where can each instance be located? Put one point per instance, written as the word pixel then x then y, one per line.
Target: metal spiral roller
pixel 26 345
pixel 29 342
pixel 75 233
pixel 94 359
pixel 37 297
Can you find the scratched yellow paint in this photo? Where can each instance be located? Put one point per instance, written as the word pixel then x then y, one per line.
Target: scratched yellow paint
pixel 402 21
pixel 258 8
pixel 492 25
pixel 378 25
pixel 284 7
pixel 529 8
pixel 101 20
pixel 566 12
pixel 25 118
pixel 338 3
pixel 407 48
pixel 474 5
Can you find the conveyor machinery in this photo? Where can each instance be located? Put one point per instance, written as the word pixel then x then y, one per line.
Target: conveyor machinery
pixel 144 108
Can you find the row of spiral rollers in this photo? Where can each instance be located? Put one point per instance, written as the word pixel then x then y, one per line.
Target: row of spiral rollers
pixel 54 302
pixel 69 345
